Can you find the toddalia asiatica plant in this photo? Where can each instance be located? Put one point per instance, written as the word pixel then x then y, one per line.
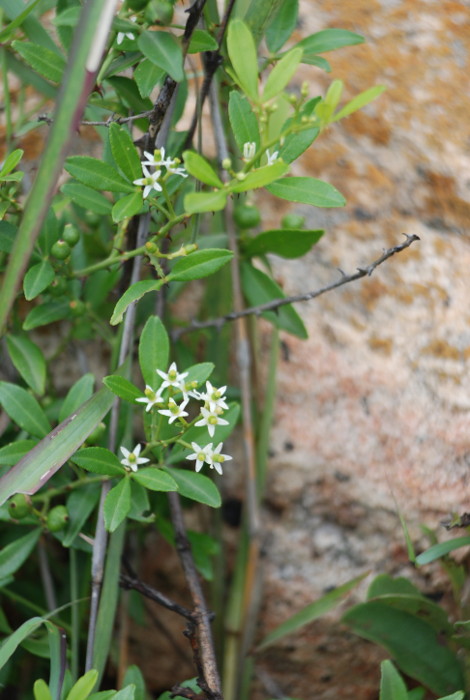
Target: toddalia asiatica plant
pixel 99 254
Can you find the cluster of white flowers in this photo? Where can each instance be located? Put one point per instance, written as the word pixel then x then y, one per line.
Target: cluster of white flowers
pixel 249 152
pixel 157 160
pixel 211 415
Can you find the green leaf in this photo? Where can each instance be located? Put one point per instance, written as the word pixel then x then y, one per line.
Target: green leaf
pixel 164 51
pixel 23 409
pixel 80 392
pixel 296 144
pixel 422 608
pixel 127 206
pixel 282 25
pixel 198 167
pixel 29 361
pixel 132 294
pixel 44 314
pixel 7 236
pixel 441 549
pixel 155 479
pixel 259 289
pixel 197 487
pixel 124 152
pixel 122 387
pixel 41 690
pixel 199 202
pixel 37 467
pixel 418 649
pixel 134 675
pixel 260 177
pixel 98 460
pixel 10 454
pixel 288 243
pixel 307 190
pixel 86 197
pixel 242 52
pixel 242 120
pixel 154 351
pixel 202 41
pixel 97 174
pixel 47 63
pixel 310 612
pixel 329 40
pixel 83 687
pixel 37 278
pixel 15 554
pixel 383 584
pixel 199 373
pixel 392 686
pixel 117 504
pixel 282 73
pixel 11 161
pixel 314 60
pixel 11 643
pixel 7 31
pixel 361 100
pixel 80 505
pixel 146 76
pixel 201 263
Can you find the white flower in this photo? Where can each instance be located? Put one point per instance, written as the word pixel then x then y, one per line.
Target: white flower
pixel 149 182
pixel 215 398
pixel 124 35
pixel 151 398
pixel 173 378
pixel 272 157
pixel 211 419
pixel 249 150
pixel 200 454
pixel 157 159
pixel 214 459
pixel 174 411
pixel 132 459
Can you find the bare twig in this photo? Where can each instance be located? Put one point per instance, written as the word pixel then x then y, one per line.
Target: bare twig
pixel 131 582
pixel 195 325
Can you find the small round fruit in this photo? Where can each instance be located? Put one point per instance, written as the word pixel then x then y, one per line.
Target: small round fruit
pixel 96 435
pixel 60 250
pixel 57 287
pixel 159 11
pixel 246 216
pixel 57 519
pixel 71 235
pixel 77 307
pixel 19 506
pixel 293 221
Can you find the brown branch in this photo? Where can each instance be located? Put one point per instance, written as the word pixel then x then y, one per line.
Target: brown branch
pixel 277 303
pixel 130 582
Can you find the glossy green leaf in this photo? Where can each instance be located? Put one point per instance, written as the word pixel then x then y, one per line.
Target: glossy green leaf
pixel 132 294
pixel 37 467
pixel 97 174
pixel 199 373
pixel 421 607
pixel 134 675
pixel 122 387
pixel 127 206
pixel 288 243
pixel 296 144
pixel 307 190
pixel 318 61
pixel 259 289
pixel 86 197
pixel 361 100
pixel 260 177
pixel 80 505
pixel 124 152
pixel 310 612
pixel 37 278
pixel 441 549
pixel 282 25
pixel 11 454
pixel 29 361
pixel 418 649
pixel 15 554
pixel 201 263
pixel 281 74
pixel 154 351
pixel 459 695
pixel 44 314
pixel 10 162
pixel 164 51
pixel 117 504
pixel 329 40
pixel 11 643
pixel 23 409
pixel 202 41
pixel 41 690
pixel 47 63
pixel 242 52
pixel 80 392
pixel 98 460
pixel 146 76
pixel 392 686
pixel 154 479
pixel 242 120
pixel 201 169
pixel 196 487
pixel 83 687
pixel 7 236
pixel 199 202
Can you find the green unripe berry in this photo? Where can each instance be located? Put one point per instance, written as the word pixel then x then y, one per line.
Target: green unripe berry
pixel 293 221
pixel 19 506
pixel 60 250
pixel 71 235
pixel 150 247
pixel 57 287
pixel 246 216
pixel 57 519
pixel 77 307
